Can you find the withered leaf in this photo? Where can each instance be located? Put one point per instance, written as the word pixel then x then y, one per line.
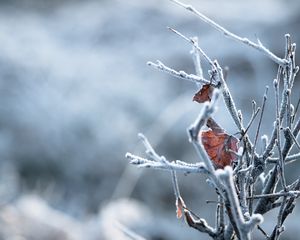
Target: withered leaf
pixel 220 146
pixel 180 205
pixel 204 94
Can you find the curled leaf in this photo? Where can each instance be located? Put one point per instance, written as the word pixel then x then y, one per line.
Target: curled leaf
pixel 204 94
pixel 180 205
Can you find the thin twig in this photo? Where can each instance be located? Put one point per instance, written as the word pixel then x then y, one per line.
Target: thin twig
pixel 260 118
pixel 278 140
pixel 296 109
pixel 181 74
pixel 197 59
pixel 190 40
pixel 262 231
pixel 258 46
pixel 175 166
pixel 253 116
pixel 293 137
pixel 277 195
pixel 289 159
pixel 228 99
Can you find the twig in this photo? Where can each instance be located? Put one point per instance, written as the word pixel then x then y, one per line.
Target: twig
pixel 169 166
pixel 244 228
pixel 262 231
pixel 278 140
pixel 181 74
pixel 253 116
pixel 196 58
pixel 260 118
pixel 288 159
pixel 284 102
pixel 277 195
pixel 293 137
pixel 258 46
pixel 220 220
pixel 190 40
pixel 228 99
pixel 296 110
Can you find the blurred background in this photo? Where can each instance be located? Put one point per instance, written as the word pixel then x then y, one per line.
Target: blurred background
pixel 75 90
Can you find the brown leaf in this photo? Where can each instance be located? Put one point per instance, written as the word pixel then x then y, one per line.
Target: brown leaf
pixel 180 205
pixel 204 94
pixel 220 146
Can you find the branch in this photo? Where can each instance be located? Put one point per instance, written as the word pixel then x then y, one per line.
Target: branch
pixel 258 46
pixel 244 228
pixel 288 159
pixel 228 99
pixel 192 41
pixel 196 58
pixel 295 194
pixel 181 74
pixel 178 166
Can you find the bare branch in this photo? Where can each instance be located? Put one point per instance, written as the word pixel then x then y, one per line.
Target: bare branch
pixel 195 128
pixel 295 194
pixel 169 166
pixel 196 58
pixel 293 137
pixel 289 159
pixel 190 40
pixel 260 119
pixel 181 74
pixel 244 228
pixel 258 46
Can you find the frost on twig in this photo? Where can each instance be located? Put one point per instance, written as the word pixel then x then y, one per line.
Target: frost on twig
pixel 179 74
pixel 258 46
pixel 196 58
pixel 241 204
pixel 178 166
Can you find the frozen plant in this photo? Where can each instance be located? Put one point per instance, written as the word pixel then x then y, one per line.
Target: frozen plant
pixel 232 165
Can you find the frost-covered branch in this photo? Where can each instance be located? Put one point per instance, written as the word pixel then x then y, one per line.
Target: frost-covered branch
pixel 194 43
pixel 179 74
pixel 197 59
pixel 289 159
pixel 258 46
pixel 178 166
pixel 244 228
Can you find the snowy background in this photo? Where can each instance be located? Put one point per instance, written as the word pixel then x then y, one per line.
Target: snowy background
pixel 75 90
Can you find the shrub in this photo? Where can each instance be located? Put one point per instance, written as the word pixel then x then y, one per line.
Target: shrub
pixel 232 165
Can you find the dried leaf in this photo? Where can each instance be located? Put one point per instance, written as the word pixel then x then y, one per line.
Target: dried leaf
pixel 180 205
pixel 220 146
pixel 204 94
